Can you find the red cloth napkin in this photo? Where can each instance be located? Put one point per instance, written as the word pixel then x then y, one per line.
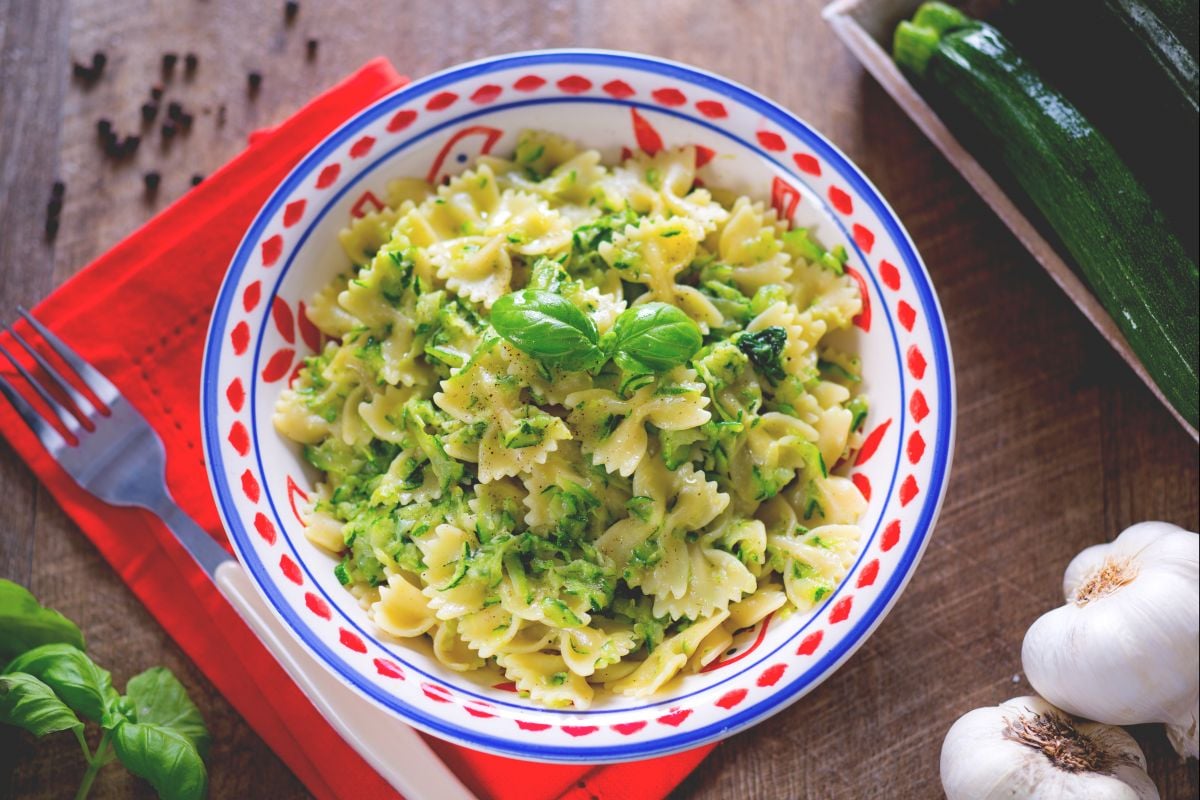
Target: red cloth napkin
pixel 139 313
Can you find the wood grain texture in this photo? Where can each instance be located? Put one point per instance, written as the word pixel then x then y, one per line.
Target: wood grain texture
pixel 1058 447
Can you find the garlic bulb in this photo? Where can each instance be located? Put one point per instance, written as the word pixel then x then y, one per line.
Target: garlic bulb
pixel 1125 649
pixel 1028 748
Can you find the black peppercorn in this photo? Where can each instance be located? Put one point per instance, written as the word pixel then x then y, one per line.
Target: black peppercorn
pixel 254 81
pixel 197 179
pixel 190 62
pixel 151 180
pixel 290 9
pixel 149 112
pixel 168 62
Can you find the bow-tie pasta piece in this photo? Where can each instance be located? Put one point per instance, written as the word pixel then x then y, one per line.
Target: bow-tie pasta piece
pixel 490 631
pixel 654 253
pixel 814 563
pixel 655 550
pixel 363 237
pixel 546 679
pixel 749 241
pixel 612 430
pixel 585 650
pixel 507 436
pixel 825 294
pixel 402 610
pixel 667 659
pixel 452 650
pixel 553 168
pixel 567 490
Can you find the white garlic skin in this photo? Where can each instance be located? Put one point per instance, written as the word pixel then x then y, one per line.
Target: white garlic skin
pixel 1132 655
pixel 1185 737
pixel 980 763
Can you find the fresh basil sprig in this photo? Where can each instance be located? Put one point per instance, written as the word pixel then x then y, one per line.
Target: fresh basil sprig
pixel 154 730
pixel 648 338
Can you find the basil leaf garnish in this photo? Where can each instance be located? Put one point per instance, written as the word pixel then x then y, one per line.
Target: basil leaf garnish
pixel 654 337
pixel 163 738
pixel 548 327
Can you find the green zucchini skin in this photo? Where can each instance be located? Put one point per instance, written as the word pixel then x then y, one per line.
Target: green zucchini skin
pixel 1135 265
pixel 1182 18
pixel 1175 62
pixel 1116 80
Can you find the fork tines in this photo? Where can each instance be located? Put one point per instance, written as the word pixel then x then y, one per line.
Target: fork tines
pixel 77 410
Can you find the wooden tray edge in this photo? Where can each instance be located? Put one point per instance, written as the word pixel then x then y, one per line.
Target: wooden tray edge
pixel 841 16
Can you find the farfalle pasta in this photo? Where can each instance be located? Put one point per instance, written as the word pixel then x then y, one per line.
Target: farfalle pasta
pixel 579 423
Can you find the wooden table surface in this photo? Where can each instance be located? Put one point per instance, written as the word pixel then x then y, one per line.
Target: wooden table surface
pixel 1058 444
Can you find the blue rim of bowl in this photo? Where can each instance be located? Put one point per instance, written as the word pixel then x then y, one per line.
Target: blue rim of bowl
pixel 776 701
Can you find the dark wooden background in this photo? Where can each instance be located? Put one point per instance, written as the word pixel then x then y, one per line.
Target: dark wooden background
pixel 1058 446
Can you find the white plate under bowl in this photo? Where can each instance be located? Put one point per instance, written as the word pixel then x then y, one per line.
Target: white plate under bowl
pixel 610 101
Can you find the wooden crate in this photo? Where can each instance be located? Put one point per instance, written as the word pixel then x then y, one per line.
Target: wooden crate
pixel 866 27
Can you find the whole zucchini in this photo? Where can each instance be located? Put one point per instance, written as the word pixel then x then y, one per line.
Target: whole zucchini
pixel 1135 265
pixel 1130 70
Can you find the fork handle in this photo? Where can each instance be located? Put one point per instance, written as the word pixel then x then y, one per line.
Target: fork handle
pixel 395 750
pixel 203 548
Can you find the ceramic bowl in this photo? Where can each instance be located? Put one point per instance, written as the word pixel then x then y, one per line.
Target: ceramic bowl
pixel 614 102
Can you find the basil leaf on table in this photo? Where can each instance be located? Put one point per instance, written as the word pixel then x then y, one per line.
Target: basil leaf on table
pixel 75 678
pixel 25 623
pixel 654 337
pixel 28 703
pixel 164 757
pixel 158 698
pixel 161 736
pixel 548 327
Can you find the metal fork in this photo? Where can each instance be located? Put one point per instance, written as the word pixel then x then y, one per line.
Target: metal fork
pixel 116 456
pixel 120 459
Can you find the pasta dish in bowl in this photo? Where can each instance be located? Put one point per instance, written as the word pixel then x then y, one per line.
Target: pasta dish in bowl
pixel 561 421
pixel 495 480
